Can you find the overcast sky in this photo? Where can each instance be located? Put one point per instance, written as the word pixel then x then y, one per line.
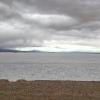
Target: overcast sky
pixel 50 24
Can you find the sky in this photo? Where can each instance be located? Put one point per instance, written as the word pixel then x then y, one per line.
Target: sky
pixel 50 25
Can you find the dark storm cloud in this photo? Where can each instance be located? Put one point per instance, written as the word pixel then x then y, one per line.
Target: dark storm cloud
pixel 26 23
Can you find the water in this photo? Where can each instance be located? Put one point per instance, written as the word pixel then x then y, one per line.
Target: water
pixel 50 66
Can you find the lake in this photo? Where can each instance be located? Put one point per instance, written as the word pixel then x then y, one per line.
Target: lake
pixel 50 66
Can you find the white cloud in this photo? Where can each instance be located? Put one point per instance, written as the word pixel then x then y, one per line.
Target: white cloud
pixel 49 19
pixel 4 6
pixel 90 2
pixel 12 33
pixel 11 26
pixel 6 27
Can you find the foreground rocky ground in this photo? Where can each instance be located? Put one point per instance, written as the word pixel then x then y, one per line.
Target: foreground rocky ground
pixel 49 90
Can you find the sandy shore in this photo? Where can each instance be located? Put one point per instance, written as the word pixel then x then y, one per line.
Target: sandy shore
pixel 49 90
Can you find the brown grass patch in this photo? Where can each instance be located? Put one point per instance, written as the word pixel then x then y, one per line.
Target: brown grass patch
pixel 49 90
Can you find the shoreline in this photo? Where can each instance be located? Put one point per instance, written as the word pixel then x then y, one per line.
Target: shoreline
pixel 25 80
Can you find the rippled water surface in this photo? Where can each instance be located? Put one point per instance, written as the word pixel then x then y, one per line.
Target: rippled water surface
pixel 50 66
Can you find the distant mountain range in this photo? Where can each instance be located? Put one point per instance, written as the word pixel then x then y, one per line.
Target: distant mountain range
pixel 16 51
pixel 7 50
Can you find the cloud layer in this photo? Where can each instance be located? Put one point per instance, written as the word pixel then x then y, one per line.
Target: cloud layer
pixel 55 25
